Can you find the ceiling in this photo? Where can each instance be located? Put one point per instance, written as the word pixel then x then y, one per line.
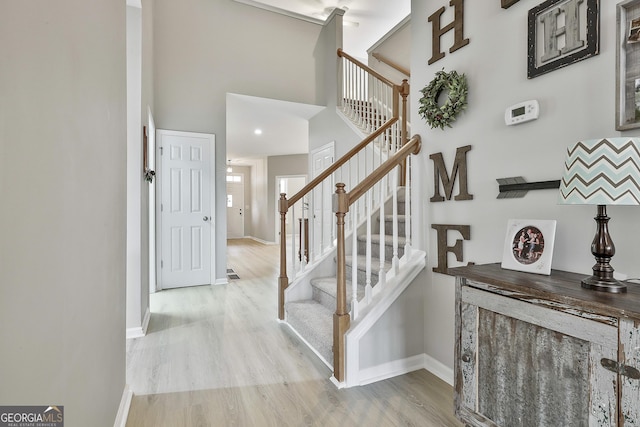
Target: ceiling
pixel 284 124
pixel 284 127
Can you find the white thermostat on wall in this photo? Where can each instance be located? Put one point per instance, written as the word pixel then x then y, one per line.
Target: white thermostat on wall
pixel 522 112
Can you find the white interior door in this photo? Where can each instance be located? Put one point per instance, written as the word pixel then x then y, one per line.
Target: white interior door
pixel 323 217
pixel 235 205
pixel 185 208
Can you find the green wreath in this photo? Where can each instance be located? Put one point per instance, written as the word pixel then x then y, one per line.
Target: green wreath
pixel 440 116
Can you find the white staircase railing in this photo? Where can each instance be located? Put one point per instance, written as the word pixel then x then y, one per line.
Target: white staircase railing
pixel 374 104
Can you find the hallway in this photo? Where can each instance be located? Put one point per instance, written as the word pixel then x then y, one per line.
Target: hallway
pixel 216 356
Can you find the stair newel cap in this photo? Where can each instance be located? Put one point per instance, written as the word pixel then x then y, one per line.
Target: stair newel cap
pixel 283 203
pixel 340 199
pixel 405 88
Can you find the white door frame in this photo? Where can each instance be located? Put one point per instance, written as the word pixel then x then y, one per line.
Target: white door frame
pixel 151 164
pixel 212 151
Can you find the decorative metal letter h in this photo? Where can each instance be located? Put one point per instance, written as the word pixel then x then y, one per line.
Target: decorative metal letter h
pixel 437 31
pixel 552 32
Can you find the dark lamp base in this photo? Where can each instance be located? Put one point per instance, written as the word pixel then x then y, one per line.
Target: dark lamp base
pixel 604 285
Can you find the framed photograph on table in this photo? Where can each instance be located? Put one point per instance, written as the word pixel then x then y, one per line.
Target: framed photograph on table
pixel 628 65
pixel 562 32
pixel 528 245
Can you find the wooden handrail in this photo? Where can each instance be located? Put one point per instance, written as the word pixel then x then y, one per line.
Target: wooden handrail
pixel 366 67
pixel 340 162
pixel 391 63
pixel 411 147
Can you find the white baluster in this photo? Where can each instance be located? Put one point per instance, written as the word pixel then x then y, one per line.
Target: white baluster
pixel 407 210
pixel 381 273
pixel 294 261
pixel 367 289
pixel 354 267
pixel 394 260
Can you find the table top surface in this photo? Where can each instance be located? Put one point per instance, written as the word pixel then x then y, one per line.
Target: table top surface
pixel 560 286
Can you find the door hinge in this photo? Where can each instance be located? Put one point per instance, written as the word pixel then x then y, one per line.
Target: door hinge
pixel 161 207
pixel 161 151
pixel 161 264
pixel 620 368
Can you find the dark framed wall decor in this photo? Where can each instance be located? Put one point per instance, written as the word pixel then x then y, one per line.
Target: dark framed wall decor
pixel 562 32
pixel 508 3
pixel 628 65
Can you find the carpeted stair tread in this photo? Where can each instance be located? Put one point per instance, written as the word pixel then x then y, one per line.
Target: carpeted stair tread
pixel 388 240
pixel 327 286
pixel 314 322
pixel 362 263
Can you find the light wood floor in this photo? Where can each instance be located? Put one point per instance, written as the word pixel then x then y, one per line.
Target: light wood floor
pixel 216 356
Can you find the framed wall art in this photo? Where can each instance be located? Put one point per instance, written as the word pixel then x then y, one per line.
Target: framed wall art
pixel 508 3
pixel 628 65
pixel 562 32
pixel 528 245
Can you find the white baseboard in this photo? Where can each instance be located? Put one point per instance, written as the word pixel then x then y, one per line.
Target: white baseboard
pixel 404 366
pixel 123 409
pixel 264 242
pixel 438 369
pixel 391 369
pixel 221 282
pixel 140 331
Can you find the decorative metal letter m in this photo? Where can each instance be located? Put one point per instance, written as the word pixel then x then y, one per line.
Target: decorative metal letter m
pixel 459 170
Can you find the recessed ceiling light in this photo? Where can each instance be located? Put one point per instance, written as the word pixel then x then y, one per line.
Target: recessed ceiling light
pixel 258 131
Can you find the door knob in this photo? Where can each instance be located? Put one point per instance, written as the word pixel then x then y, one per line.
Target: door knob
pixel 206 218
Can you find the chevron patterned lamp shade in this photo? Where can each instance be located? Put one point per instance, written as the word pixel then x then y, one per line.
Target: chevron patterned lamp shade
pixel 602 172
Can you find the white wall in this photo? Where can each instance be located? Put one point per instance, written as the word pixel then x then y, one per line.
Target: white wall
pixel 576 102
pixel 204 49
pixel 63 218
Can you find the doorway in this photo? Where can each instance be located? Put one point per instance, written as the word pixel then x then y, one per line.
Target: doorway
pixel 290 185
pixel 186 209
pixel 235 205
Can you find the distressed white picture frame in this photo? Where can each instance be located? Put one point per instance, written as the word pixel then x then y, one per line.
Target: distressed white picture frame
pixel 528 245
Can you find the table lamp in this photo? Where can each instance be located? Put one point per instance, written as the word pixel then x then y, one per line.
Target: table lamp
pixel 602 172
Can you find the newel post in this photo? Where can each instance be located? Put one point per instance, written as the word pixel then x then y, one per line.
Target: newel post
pixel 283 280
pixel 404 92
pixel 341 319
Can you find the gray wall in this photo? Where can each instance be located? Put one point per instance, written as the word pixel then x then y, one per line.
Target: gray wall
pixel 576 102
pixel 204 49
pixel 62 184
pixel 396 47
pixel 327 126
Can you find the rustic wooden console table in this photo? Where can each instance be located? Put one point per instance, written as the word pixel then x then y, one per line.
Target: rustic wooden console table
pixel 534 350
